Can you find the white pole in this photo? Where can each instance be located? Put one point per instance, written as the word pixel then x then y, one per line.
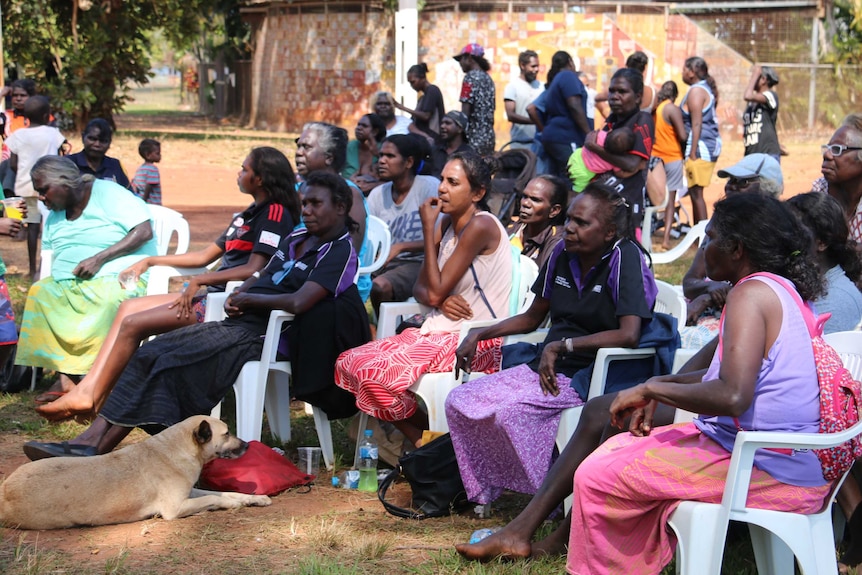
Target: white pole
pixel 406 49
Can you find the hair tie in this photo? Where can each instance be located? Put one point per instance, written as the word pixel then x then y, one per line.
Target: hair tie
pixel 421 165
pixel 795 253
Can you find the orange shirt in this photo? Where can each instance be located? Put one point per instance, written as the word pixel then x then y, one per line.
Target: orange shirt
pixel 666 146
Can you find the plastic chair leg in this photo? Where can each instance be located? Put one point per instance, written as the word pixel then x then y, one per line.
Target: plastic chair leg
pixel 216 412
pixel 277 404
pixel 701 532
pixel 324 434
pixel 771 554
pixel 249 403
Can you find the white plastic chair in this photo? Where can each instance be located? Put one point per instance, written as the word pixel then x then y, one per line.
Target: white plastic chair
pixel 167 222
pixel 265 384
pixel 695 234
pixel 433 388
pixel 776 536
pixel 380 238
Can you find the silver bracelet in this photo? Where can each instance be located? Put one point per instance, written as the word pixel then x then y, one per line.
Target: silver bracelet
pixel 255 275
pixel 570 345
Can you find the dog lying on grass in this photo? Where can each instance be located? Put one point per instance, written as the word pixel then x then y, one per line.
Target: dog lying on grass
pixel 152 478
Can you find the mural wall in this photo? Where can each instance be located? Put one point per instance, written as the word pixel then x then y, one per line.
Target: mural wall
pixel 327 66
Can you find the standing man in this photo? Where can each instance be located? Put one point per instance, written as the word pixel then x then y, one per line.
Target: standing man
pixel 761 114
pixel 478 98
pixel 518 95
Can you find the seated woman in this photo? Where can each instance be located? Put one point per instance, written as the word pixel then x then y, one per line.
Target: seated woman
pixel 540 221
pixel 466 274
pixel 95 229
pixel 599 292
pixel 188 371
pixel 764 357
pixel 323 147
pixel 361 164
pixel 244 248
pixel 826 220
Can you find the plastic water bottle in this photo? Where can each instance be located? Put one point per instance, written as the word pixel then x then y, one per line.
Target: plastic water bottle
pixel 368 463
pixel 480 534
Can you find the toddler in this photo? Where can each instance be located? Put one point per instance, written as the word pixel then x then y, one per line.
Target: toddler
pixel 146 183
pixel 584 165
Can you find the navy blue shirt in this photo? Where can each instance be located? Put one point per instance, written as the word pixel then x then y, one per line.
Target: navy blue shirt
pixel 111 169
pixel 560 127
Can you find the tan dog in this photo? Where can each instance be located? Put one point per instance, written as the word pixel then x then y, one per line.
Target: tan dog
pixel 153 477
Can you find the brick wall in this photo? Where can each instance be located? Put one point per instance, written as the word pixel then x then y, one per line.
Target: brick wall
pixel 326 66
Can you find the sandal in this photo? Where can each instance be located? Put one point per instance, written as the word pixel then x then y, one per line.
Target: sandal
pixel 35 450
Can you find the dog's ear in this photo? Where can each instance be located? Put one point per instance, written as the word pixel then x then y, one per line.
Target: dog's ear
pixel 203 433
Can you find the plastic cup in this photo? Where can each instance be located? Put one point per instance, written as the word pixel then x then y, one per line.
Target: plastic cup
pixel 309 460
pixel 11 210
pixel 128 281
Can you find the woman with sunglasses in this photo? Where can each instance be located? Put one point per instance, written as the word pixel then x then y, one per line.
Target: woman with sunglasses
pixel 842 171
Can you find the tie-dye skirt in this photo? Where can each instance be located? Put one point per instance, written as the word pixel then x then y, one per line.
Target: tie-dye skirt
pixel 626 490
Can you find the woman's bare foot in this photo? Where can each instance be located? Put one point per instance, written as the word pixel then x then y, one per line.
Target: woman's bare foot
pixel 500 544
pixel 73 404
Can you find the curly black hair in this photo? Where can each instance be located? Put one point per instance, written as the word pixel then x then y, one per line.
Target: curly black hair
pixel 823 215
pixel 772 236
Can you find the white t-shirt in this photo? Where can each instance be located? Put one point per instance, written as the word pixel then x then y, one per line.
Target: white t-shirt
pixel 401 126
pixel 30 144
pixel 522 93
pixel 403 219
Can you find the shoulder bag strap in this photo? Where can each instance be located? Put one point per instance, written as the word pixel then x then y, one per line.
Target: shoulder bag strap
pixel 394 509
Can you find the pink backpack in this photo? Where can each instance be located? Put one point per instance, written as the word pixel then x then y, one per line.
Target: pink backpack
pixel 840 394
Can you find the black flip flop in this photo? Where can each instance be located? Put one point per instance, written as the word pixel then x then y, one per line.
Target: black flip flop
pixel 37 450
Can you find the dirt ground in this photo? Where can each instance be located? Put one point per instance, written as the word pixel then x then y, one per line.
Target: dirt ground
pixel 199 180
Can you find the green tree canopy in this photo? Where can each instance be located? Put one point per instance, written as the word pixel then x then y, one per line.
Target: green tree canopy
pixel 84 53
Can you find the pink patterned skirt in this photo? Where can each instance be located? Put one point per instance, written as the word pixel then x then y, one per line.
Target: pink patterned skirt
pixel 626 490
pixel 379 372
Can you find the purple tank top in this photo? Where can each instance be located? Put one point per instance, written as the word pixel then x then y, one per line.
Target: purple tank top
pixel 786 398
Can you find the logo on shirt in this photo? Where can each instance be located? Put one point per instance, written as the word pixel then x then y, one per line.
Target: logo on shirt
pixel 240 232
pixel 302 265
pixel 597 289
pixel 561 281
pixel 270 239
pixel 238 221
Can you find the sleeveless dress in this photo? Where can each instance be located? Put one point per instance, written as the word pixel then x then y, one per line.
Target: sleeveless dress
pixel 650 476
pixel 380 372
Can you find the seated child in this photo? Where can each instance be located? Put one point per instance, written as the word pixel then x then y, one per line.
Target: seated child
pixel 584 164
pixel 147 183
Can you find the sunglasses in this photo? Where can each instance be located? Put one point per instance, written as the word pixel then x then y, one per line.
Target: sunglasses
pixel 837 149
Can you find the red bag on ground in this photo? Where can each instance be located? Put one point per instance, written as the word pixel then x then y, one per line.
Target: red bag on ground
pixel 259 471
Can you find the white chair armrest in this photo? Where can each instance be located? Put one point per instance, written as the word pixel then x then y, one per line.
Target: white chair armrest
pixel 390 312
pixel 215 306
pixel 604 357
pixel 747 442
pixel 45 267
pixel 277 319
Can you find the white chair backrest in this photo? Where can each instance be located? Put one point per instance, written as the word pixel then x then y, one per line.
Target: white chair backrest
pixel 379 240
pixel 527 273
pixel 166 222
pixel 670 302
pixel 695 234
pixel 848 344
